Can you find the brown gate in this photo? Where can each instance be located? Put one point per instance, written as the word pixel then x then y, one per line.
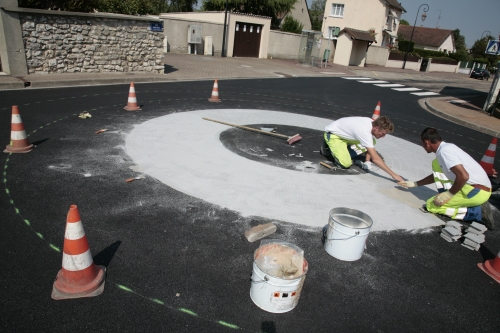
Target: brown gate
pixel 247 40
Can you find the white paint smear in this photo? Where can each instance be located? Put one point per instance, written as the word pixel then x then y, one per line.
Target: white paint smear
pixel 205 169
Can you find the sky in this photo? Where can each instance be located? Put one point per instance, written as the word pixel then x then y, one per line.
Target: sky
pixel 472 17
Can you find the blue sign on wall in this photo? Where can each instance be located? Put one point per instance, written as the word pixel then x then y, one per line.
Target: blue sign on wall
pixel 493 47
pixel 156 26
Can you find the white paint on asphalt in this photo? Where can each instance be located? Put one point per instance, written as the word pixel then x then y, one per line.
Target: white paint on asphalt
pixel 184 152
pixel 406 89
pixel 427 93
pixel 357 78
pixel 373 81
pixel 390 85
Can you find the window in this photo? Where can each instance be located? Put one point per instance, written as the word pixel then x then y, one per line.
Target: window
pixel 337 10
pixel 333 32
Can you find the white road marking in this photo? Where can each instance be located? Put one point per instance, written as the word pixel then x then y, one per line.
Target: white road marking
pixel 159 147
pixel 406 89
pixel 357 78
pixel 389 85
pixel 373 81
pixel 425 93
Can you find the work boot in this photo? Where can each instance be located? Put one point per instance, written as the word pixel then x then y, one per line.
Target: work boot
pixel 487 215
pixel 325 150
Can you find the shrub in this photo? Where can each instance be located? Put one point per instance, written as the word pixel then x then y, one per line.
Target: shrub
pixel 291 25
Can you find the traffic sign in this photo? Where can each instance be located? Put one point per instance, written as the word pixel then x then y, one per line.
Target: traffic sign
pixel 493 47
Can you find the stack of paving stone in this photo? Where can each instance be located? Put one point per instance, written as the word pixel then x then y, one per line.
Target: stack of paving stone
pixel 474 236
pixel 452 231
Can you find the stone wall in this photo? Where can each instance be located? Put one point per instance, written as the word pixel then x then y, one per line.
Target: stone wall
pixel 86 44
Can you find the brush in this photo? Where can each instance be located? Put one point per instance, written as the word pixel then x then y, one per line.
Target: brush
pixel 290 139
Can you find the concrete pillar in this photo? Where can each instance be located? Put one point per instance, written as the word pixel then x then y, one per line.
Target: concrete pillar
pixel 11 40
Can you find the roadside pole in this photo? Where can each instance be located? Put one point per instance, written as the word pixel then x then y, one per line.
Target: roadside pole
pixel 489 105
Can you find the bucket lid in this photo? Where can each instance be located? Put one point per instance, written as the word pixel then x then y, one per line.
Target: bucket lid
pixel 351 218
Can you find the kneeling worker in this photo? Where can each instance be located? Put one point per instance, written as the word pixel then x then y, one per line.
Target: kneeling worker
pixel 360 131
pixel 463 185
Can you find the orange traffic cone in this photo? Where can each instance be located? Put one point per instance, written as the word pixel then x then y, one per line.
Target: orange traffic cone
pixel 132 99
pixel 79 276
pixel 18 140
pixel 492 267
pixel 376 113
pixel 215 93
pixel 489 157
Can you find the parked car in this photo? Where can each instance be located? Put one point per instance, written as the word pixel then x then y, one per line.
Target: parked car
pixel 482 74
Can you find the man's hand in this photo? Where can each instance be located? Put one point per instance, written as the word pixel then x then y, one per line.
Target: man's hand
pixel 442 198
pixel 407 184
pixel 398 178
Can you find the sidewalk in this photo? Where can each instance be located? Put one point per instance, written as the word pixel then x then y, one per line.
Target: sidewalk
pixel 182 67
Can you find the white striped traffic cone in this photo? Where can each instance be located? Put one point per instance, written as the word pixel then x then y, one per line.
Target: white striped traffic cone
pixel 18 140
pixel 215 93
pixel 79 276
pixel 489 157
pixel 376 113
pixel 132 99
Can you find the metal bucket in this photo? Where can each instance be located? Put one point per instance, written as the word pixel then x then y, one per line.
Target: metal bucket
pixel 271 290
pixel 347 232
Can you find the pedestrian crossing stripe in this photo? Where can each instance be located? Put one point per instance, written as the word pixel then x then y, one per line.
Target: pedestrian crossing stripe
pixel 406 89
pixel 373 81
pixel 390 85
pixel 357 78
pixel 425 93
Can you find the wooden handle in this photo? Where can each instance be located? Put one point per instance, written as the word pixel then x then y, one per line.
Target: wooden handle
pixel 130 180
pixel 250 129
pixel 326 165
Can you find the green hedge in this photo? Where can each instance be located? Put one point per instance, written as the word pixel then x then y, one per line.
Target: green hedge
pixel 403 45
pixel 430 54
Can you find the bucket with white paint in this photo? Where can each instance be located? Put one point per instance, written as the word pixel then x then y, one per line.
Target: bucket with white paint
pixel 347 232
pixel 279 272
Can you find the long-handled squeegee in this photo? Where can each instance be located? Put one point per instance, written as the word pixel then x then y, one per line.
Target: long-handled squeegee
pixel 289 139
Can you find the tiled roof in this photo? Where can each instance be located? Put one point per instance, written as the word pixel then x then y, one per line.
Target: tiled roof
pixel 359 34
pixel 425 36
pixel 395 4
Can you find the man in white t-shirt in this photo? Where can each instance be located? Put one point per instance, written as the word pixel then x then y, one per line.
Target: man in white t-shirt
pixel 463 185
pixel 360 131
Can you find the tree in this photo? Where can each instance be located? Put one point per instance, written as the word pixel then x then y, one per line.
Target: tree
pixel 460 46
pixel 129 7
pixel 403 22
pixel 316 13
pixel 275 9
pixel 291 25
pixel 479 49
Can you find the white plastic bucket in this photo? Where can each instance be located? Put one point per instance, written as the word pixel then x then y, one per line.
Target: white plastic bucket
pixel 347 232
pixel 272 293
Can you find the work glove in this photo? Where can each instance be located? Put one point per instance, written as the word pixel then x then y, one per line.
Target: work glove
pixel 407 184
pixel 442 198
pixel 367 165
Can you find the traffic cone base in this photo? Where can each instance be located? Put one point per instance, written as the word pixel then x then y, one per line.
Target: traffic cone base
pixel 10 149
pixel 132 99
pixel 94 288
pixel 18 140
pixel 215 93
pixel 488 269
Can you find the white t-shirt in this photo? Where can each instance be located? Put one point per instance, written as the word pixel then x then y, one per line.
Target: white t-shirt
pixel 449 155
pixel 353 129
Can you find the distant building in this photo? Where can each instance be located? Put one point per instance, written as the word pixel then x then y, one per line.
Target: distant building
pixel 429 38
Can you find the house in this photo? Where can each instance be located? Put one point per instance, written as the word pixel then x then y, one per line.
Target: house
pixel 354 25
pixel 300 12
pixel 429 38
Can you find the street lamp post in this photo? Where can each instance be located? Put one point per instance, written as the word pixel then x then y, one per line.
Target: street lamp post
pixel 223 53
pixel 424 15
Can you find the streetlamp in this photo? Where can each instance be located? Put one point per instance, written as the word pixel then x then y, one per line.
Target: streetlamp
pixel 424 15
pixel 488 33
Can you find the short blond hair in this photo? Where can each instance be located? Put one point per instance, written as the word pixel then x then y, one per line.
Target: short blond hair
pixel 384 123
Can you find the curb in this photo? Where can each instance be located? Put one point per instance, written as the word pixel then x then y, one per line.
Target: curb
pixel 441 114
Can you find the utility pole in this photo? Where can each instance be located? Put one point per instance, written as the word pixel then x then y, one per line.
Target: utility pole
pixel 437 24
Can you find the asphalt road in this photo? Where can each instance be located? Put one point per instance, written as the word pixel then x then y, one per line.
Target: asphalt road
pixel 180 264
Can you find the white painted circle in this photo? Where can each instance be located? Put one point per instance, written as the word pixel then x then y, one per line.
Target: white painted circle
pixel 184 152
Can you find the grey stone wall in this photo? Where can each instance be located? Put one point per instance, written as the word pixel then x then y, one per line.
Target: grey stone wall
pixel 73 44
